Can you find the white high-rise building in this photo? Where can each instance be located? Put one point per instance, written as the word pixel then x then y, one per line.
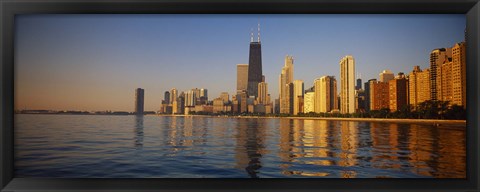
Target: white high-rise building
pixel 190 98
pixel 347 84
pixel 325 94
pixel 173 95
pixel 286 77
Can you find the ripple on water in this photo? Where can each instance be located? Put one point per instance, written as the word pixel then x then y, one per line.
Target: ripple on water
pixel 80 146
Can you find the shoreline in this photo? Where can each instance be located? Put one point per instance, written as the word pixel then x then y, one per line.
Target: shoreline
pixel 406 121
pixel 436 122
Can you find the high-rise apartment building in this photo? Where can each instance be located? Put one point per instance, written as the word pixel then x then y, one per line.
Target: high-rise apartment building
pixel 242 101
pixel 173 95
pixel 298 89
pixel 398 92
pixel 286 77
pixel 418 86
pixel 379 95
pixel 325 94
pixel 242 77
pixel 386 76
pixel 254 65
pixel 262 93
pixel 367 93
pixel 289 98
pixel 190 98
pixel 139 101
pixel 204 94
pixel 347 84
pixel 444 81
pixel 309 102
pixel 448 74
pixel 459 74
pixel 437 58
pixel 179 104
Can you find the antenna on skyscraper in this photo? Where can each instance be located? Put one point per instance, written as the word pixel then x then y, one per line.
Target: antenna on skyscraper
pixel 258 36
pixel 251 35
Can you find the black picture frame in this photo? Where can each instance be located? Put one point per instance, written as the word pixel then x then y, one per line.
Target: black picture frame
pixel 9 8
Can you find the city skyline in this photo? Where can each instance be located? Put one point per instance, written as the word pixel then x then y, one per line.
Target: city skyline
pixel 81 73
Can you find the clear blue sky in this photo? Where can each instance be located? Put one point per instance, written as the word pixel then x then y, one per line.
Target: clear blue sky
pixel 94 62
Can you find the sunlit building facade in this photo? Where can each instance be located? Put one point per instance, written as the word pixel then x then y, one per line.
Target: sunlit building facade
pixel 286 77
pixel 418 86
pixel 242 77
pixel 309 102
pixel 298 89
pixel 459 74
pixel 325 94
pixel 438 57
pixel 347 84
pixel 386 76
pixel 398 92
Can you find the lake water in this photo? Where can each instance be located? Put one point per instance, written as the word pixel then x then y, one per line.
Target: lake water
pixel 102 146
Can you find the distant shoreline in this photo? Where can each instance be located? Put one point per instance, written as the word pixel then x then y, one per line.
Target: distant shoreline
pixel 417 121
pixel 386 120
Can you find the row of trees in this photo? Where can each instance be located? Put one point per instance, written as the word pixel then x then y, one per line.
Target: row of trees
pixel 425 110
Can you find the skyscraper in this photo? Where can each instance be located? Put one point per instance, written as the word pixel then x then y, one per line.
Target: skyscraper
pixel 418 86
pixel 379 96
pixel 347 84
pixel 139 101
pixel 325 94
pixel 262 93
pixel 367 93
pixel 254 65
pixel 298 89
pixel 459 74
pixel 289 98
pixel 204 93
pixel 398 92
pixel 173 95
pixel 242 101
pixel 286 77
pixel 190 98
pixel 167 97
pixel 309 102
pixel 437 58
pixel 359 84
pixel 242 77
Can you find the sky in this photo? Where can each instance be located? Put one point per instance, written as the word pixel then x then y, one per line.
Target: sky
pixel 95 62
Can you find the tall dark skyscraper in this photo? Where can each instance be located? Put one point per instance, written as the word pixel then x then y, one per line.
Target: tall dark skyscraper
pixel 139 101
pixel 359 84
pixel 254 65
pixel 167 97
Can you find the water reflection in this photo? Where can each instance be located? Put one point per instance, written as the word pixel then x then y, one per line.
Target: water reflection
pixel 231 148
pixel 138 132
pixel 250 146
